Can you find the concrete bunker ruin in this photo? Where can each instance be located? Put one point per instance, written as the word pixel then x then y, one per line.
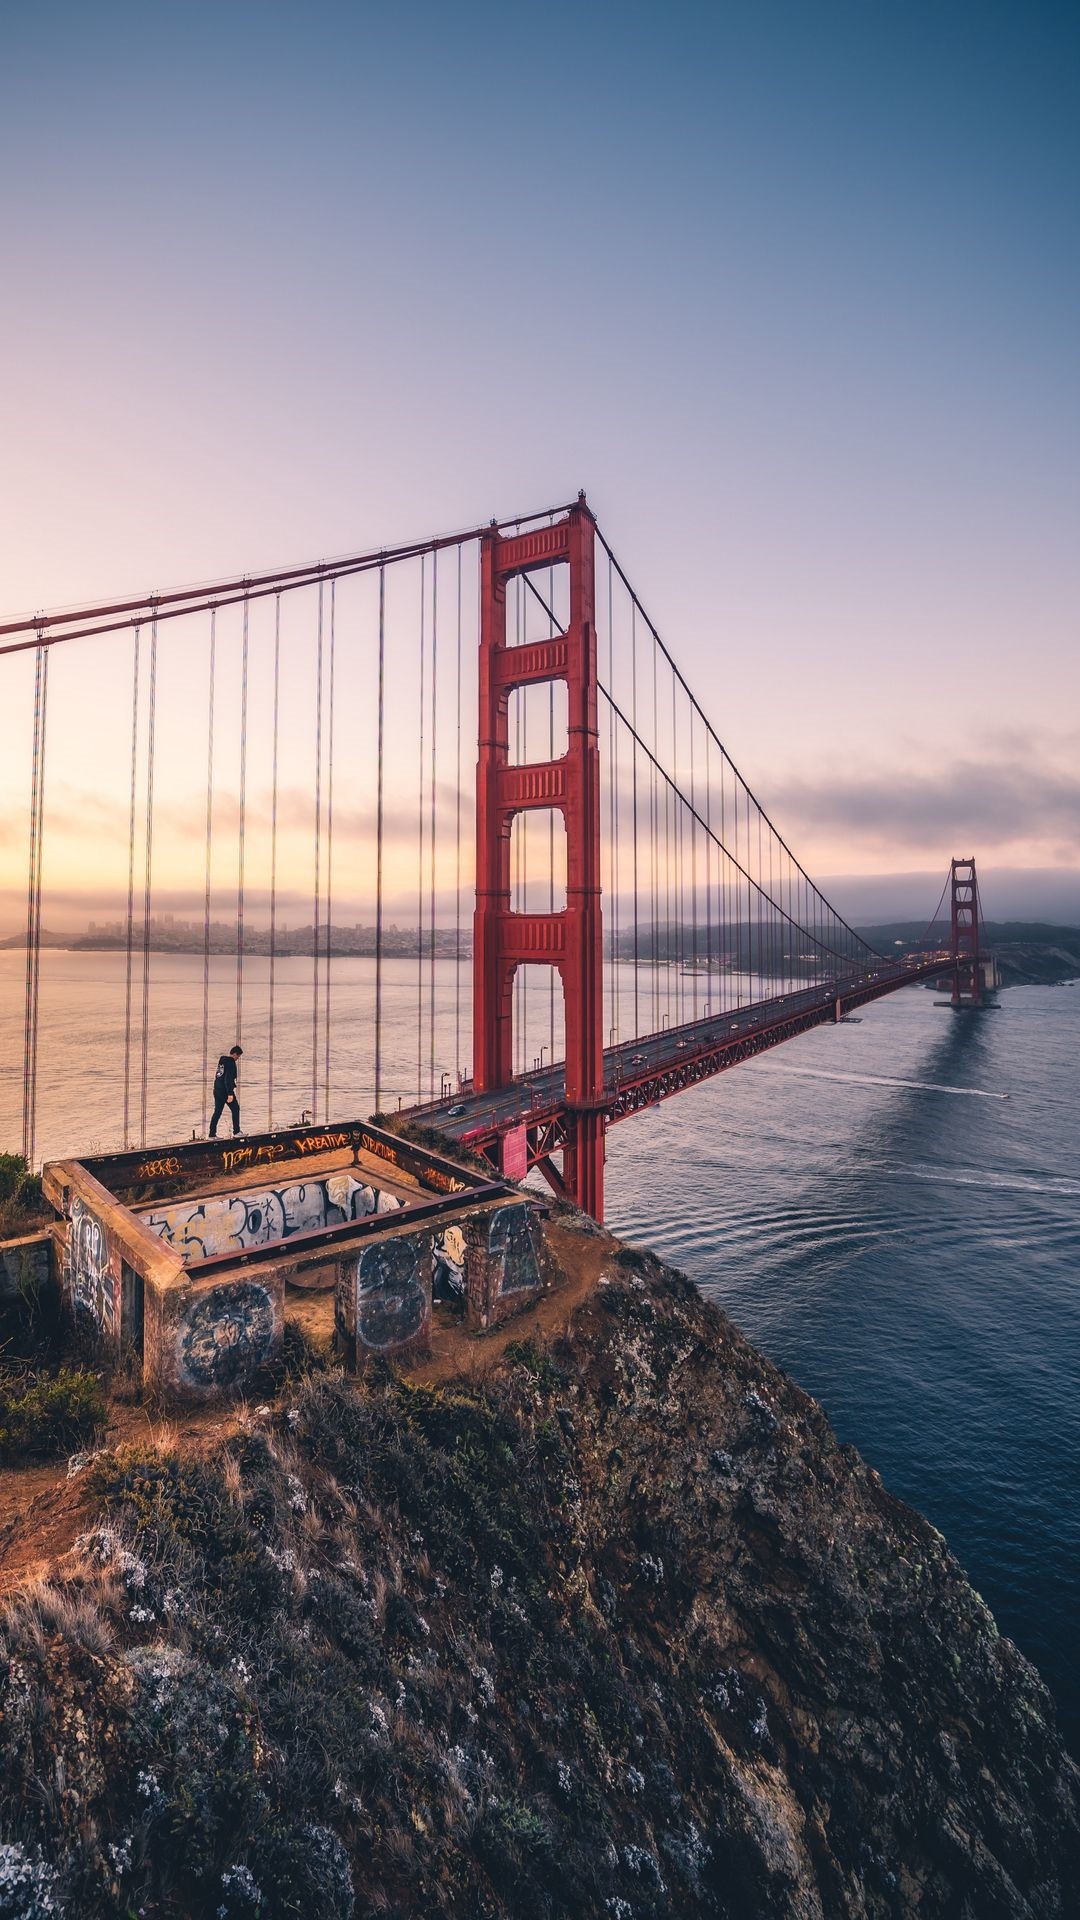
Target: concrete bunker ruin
pixel 190 1257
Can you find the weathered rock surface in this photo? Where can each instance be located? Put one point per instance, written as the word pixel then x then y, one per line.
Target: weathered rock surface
pixel 622 1631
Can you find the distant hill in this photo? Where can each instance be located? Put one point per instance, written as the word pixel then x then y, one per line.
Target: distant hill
pixel 1028 952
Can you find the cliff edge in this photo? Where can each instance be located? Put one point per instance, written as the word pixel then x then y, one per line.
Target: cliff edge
pixel 609 1626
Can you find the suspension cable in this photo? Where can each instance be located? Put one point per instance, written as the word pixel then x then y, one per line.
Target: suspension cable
pixel 209 857
pixel 228 593
pixel 318 860
pixel 420 844
pixel 329 855
pixel 703 716
pixel 130 927
pixel 242 827
pixel 273 865
pixel 679 798
pixel 33 904
pixel 634 794
pixel 457 846
pixel 151 726
pixel 379 845
pixel 432 846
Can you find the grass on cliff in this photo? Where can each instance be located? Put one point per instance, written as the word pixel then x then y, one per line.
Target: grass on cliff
pixel 601 1636
pixel 358 1643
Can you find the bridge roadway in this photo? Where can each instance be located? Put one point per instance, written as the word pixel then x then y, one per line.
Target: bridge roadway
pixel 639 1073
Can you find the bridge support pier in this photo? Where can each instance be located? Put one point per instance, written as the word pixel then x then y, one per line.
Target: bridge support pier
pixel 571 940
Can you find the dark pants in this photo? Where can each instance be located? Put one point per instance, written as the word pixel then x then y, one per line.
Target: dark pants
pixel 226 1100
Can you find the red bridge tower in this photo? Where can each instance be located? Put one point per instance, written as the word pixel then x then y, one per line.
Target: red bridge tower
pixel 967 984
pixel 569 940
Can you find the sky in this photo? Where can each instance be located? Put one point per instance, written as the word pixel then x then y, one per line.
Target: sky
pixel 792 291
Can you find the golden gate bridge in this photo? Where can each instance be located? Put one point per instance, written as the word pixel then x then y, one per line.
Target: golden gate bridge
pixel 616 846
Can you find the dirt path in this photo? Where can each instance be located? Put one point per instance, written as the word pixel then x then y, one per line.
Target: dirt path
pixel 42 1511
pixel 459 1353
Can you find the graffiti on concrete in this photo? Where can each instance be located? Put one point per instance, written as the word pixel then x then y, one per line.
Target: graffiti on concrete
pixel 510 1242
pixel 250 1156
pixel 392 1292
pixel 381 1148
pixel 159 1169
pixel 228 1334
pixel 91 1281
pixel 320 1142
pixel 442 1182
pixel 229 1223
pixel 448 1272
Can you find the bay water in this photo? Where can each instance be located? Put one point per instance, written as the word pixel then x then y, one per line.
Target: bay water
pixel 890 1209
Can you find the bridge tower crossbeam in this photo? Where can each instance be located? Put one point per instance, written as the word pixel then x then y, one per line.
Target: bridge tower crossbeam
pixel 569 940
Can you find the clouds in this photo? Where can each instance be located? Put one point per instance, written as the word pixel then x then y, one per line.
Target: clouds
pixel 1025 796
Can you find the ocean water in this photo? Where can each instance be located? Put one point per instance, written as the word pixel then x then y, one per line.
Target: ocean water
pixel 863 1202
pixel 911 1257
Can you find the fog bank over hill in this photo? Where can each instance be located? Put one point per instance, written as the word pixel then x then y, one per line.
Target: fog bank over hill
pixel 1007 893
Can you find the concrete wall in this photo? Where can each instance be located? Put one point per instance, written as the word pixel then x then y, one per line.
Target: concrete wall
pixel 383 1300
pixel 27 1268
pixel 504 1268
pixel 206 1339
pixel 202 1228
pixel 92 1273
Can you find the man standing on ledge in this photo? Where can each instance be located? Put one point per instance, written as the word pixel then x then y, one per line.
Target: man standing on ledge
pixel 225 1089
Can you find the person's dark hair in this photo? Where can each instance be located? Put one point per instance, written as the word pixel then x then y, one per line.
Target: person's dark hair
pixel 237 1049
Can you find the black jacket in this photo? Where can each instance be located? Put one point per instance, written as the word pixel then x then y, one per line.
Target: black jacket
pixel 225 1077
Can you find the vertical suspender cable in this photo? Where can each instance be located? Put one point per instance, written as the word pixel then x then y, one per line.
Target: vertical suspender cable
pixel 676 835
pixel 693 852
pixel 420 847
pixel 654 808
pixel 241 829
pixel 318 860
pixel 33 902
pixel 612 740
pixel 329 854
pixel 457 844
pixel 654 849
pixel 273 865
pixel 551 814
pixel 379 843
pixel 518 842
pixel 431 848
pixel 708 876
pixel 130 928
pixel 40 856
pixel 211 674
pixel 151 721
pixel 723 897
pixel 633 715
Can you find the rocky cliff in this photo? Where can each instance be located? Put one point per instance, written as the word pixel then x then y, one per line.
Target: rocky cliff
pixel 611 1628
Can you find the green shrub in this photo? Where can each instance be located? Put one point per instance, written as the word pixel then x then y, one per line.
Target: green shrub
pixel 44 1417
pixel 13 1171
